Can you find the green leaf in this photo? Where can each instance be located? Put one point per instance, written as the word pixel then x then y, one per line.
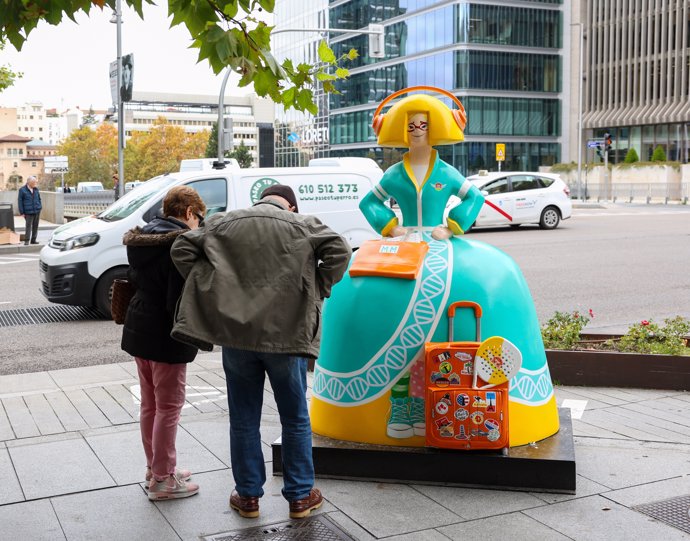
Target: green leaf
pixel 268 5
pixel 288 97
pixel 342 73
pixel 305 99
pixel 352 54
pixel 326 53
pixel 323 76
pixel 329 88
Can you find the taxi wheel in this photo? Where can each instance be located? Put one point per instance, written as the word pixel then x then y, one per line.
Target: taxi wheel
pixel 550 218
pixel 104 289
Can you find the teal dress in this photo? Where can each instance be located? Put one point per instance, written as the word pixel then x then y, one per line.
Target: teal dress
pixel 375 328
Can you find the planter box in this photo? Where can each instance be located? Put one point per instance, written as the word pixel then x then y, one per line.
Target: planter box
pixel 614 369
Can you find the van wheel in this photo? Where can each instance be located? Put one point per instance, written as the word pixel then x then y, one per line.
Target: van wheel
pixel 550 218
pixel 104 289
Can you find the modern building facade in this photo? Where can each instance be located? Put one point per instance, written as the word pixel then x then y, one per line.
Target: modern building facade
pixel 195 113
pixel 636 75
pixel 504 60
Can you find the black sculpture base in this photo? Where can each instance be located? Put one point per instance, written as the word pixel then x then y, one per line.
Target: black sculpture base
pixel 547 466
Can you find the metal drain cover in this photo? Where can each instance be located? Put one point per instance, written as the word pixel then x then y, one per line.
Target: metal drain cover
pixel 674 512
pixel 317 528
pixel 47 314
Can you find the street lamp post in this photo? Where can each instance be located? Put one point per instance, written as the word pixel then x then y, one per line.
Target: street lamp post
pixel 579 113
pixel 120 113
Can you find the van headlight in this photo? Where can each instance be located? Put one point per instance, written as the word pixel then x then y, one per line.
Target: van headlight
pixel 80 242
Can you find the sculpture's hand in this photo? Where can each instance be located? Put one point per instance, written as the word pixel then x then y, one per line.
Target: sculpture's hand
pixel 441 232
pixel 398 231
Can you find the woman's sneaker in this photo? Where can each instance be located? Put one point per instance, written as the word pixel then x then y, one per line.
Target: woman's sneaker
pixel 185 475
pixel 171 488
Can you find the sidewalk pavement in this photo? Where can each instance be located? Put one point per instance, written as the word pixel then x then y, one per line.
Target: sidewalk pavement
pixel 72 466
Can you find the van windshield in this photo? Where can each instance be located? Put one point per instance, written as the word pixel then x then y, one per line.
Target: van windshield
pixel 134 199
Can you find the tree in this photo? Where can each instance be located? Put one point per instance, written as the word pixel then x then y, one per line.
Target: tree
pixel 7 76
pixel 212 146
pixel 225 33
pixel 242 155
pixel 91 154
pixel 631 156
pixel 659 155
pixel 161 150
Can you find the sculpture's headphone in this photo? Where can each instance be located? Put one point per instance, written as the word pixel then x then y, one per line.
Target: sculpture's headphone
pixel 458 114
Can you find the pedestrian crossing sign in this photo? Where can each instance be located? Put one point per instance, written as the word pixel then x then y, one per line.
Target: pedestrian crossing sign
pixel 500 152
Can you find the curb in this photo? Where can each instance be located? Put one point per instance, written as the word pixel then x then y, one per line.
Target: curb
pixel 20 248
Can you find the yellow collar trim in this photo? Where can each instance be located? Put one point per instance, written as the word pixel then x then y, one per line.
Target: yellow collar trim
pixel 429 169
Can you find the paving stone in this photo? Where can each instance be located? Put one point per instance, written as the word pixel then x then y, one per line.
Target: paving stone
pixel 385 509
pixel 37 382
pixel 93 416
pixel 202 395
pixel 212 433
pixel 348 525
pixel 218 383
pixel 35 521
pixel 68 415
pixel 43 415
pixel 651 492
pixel 193 456
pixel 20 417
pixel 208 512
pixel 421 535
pixel 584 487
pixel 596 518
pixel 69 378
pixel 6 432
pixel 512 527
pixel 121 452
pixel 604 419
pixel 115 514
pixel 125 398
pixel 619 464
pixel 115 413
pixel 10 491
pixel 58 467
pixel 469 503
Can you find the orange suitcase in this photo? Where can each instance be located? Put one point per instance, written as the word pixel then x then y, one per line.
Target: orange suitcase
pixel 458 414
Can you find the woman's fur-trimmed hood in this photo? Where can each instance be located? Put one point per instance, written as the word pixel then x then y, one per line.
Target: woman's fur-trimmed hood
pixel 137 237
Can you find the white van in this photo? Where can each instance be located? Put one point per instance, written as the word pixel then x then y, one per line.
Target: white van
pixel 83 187
pixel 83 257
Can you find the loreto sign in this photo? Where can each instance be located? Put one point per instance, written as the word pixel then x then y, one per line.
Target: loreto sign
pixel 55 164
pixel 314 136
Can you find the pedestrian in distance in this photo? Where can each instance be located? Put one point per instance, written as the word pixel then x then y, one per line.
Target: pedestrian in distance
pixel 67 189
pixel 255 282
pixel 161 361
pixel 29 199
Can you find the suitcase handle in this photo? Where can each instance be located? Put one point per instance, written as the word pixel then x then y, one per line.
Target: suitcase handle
pixel 464 304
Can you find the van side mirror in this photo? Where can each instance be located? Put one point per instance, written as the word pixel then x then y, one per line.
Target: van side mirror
pixel 484 192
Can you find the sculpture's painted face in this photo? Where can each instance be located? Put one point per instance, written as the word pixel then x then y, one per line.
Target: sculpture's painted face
pixel 418 130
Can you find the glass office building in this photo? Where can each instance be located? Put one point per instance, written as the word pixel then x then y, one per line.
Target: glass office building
pixel 504 60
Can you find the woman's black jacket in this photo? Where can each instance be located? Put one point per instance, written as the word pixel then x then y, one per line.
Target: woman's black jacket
pixel 150 314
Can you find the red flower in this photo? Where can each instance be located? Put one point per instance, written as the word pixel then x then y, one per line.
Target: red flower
pixel 591 313
pixel 644 322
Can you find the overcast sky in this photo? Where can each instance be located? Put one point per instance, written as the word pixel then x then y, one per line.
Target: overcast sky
pixel 67 65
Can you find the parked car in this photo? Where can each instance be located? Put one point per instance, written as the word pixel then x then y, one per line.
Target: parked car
pixel 132 185
pixel 83 187
pixel 522 198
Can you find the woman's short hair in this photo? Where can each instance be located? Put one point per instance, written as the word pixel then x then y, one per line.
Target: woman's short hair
pixel 179 198
pixel 443 130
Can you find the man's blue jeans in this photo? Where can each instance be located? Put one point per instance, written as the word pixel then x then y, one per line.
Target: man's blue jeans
pixel 245 374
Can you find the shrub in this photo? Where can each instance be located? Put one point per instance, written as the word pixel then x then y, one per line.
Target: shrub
pixel 563 330
pixel 649 337
pixel 631 156
pixel 659 155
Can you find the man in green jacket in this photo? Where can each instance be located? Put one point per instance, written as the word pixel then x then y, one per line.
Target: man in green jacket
pixel 255 282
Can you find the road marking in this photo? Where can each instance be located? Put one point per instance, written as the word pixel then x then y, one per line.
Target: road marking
pixel 577 407
pixel 594 214
pixel 221 396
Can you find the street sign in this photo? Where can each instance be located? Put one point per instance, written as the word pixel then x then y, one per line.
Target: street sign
pixel 593 143
pixel 500 152
pixel 55 164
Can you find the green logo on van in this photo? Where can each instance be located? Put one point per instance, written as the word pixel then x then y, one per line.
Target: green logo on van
pixel 259 186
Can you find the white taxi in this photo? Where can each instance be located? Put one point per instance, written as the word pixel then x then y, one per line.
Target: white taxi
pixel 516 198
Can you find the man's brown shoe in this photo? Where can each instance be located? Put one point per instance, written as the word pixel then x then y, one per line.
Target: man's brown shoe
pixel 247 507
pixel 301 508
